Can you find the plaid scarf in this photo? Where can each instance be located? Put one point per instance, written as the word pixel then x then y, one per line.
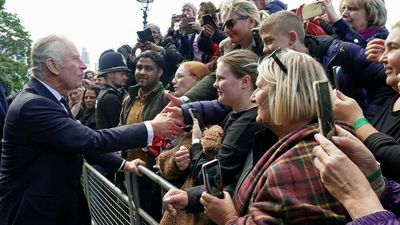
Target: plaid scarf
pixel 284 186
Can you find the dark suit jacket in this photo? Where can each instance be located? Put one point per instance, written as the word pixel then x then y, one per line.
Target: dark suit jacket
pixel 41 160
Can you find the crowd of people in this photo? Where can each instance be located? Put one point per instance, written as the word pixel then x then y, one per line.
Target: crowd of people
pixel 232 82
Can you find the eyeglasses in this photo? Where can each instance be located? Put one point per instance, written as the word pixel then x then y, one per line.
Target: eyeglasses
pixel 277 60
pixel 232 22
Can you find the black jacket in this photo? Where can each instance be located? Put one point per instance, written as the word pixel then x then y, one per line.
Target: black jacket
pixel 108 107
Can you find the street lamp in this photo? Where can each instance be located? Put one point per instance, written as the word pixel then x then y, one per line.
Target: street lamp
pixel 145 6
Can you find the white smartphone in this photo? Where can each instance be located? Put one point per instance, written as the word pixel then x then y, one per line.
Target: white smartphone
pixel 323 97
pixel 212 178
pixel 312 10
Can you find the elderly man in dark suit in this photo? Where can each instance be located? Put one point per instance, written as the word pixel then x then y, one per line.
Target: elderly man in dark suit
pixel 41 160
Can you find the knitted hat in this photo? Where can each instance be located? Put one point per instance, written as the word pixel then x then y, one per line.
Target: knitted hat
pixel 111 62
pixel 197 68
pixel 193 7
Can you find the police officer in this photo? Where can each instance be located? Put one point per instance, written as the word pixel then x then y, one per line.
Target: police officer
pixel 112 66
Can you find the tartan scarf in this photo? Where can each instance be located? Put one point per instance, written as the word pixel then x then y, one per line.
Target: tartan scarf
pixel 284 187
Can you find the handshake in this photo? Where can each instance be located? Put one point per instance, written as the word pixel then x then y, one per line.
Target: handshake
pixel 164 125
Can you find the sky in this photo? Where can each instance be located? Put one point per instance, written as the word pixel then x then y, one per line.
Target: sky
pixel 98 25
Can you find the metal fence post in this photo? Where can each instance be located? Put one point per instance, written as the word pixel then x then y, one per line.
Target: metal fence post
pixel 85 183
pixel 132 188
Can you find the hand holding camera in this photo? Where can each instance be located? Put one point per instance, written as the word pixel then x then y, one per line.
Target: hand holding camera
pixel 309 11
pixel 186 25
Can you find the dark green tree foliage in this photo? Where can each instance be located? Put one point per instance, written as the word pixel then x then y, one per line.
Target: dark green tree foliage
pixel 15 46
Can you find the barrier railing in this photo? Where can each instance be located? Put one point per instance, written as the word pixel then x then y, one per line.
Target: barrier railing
pixel 109 205
pixel 133 190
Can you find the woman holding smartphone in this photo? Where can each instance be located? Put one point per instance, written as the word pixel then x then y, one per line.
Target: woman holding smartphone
pixel 235 81
pixel 283 187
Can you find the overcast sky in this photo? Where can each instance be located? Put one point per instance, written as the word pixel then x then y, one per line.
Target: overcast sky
pixel 98 25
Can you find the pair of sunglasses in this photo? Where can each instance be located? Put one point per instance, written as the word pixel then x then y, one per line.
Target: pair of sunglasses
pixel 232 22
pixel 274 56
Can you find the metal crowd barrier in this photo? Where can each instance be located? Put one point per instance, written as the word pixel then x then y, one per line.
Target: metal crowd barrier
pixel 109 205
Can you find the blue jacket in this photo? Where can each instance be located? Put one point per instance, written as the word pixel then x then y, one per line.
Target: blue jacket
pixel 209 112
pixel 343 31
pixel 363 80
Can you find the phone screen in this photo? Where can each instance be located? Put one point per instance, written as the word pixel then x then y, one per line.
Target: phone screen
pixel 212 178
pixel 187 26
pixel 312 10
pixel 337 75
pixel 207 19
pixel 145 35
pixel 326 121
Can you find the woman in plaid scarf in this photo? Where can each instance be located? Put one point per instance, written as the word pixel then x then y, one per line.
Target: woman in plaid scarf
pixel 283 187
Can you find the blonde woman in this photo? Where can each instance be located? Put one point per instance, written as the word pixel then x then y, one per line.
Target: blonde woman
pixel 284 186
pixel 360 21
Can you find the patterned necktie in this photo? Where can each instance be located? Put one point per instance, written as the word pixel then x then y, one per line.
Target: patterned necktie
pixel 62 100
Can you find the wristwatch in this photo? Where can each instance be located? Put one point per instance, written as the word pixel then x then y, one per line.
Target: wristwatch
pixel 196 140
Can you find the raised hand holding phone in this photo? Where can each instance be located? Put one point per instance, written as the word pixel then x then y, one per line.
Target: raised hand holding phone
pixel 212 178
pixel 312 10
pixel 323 97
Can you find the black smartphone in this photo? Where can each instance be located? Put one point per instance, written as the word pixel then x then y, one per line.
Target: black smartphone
pixel 145 35
pixel 323 97
pixel 187 26
pixel 258 44
pixel 337 75
pixel 207 19
pixel 212 178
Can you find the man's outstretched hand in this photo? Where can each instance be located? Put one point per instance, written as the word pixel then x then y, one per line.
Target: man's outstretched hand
pixel 166 126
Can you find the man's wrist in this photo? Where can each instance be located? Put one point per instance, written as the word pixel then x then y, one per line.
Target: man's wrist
pixel 150 132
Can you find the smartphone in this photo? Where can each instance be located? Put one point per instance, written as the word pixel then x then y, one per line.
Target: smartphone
pixel 176 17
pixel 207 19
pixel 258 44
pixel 212 178
pixel 188 27
pixel 145 35
pixel 312 10
pixel 193 113
pixel 337 75
pixel 323 97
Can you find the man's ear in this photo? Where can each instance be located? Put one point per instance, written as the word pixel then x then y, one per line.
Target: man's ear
pixel 292 37
pixel 160 73
pixel 51 66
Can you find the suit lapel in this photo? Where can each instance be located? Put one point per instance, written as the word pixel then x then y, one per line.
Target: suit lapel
pixel 34 86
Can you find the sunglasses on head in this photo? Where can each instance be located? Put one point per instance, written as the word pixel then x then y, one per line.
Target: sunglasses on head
pixel 274 56
pixel 231 22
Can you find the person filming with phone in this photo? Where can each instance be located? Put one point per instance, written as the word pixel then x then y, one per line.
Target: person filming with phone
pixel 283 186
pixel 154 41
pixel 236 75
